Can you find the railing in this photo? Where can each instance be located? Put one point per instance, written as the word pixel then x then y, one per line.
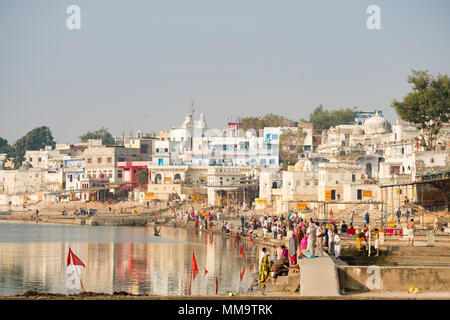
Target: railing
pixel 398 179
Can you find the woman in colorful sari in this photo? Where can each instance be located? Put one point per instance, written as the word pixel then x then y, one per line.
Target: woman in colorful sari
pixel 304 241
pixel 264 269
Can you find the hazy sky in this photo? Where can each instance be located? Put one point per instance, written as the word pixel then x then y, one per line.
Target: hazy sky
pixel 139 63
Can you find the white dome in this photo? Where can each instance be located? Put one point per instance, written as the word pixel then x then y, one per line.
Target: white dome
pixel 187 123
pixel 376 124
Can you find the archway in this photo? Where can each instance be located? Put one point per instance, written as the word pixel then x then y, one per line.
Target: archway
pixel 177 178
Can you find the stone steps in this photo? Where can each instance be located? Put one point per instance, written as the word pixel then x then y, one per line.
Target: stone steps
pixel 289 283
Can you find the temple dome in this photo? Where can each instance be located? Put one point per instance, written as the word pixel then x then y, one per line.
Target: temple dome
pixel 376 125
pixel 187 123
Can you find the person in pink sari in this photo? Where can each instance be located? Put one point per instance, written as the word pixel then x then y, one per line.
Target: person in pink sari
pixel 304 243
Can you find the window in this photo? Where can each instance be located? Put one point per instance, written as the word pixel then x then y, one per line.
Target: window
pixel 353 178
pixel 39 159
pixel 144 148
pixel 89 160
pixel 119 174
pixel 31 159
pixel 109 160
pixel 99 160
pixel 394 170
pixel 359 194
pixel 333 194
pixel 121 159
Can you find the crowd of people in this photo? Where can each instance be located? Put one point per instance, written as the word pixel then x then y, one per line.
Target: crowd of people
pixel 81 212
pixel 304 238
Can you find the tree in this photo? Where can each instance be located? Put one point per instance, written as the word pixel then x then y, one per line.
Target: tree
pixel 4 146
pixel 142 176
pixel 102 133
pixel 324 119
pixel 268 120
pixel 428 105
pixel 36 139
pixel 291 146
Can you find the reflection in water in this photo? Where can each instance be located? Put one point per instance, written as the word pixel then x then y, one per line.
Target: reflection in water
pixel 131 259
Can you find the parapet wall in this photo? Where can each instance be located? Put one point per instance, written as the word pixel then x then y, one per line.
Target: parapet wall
pixel 394 279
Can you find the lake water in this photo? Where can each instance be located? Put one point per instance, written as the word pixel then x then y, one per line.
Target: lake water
pixel 33 257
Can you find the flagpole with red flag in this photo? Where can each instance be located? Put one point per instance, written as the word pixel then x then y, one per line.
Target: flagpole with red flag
pixel 194 271
pixel 76 262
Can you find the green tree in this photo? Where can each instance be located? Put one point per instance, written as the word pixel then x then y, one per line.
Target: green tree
pixel 4 146
pixel 102 133
pixel 324 119
pixel 291 146
pixel 428 105
pixel 36 139
pixel 268 120
pixel 142 176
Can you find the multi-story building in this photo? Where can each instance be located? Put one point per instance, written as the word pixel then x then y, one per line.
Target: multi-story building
pixel 102 160
pixel 49 158
pixel 74 171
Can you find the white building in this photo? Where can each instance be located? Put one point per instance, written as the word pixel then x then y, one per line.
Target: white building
pixel 74 171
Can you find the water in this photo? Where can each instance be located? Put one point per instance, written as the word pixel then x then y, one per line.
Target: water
pixel 33 257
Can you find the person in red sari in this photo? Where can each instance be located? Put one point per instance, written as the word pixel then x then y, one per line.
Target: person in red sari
pixel 351 230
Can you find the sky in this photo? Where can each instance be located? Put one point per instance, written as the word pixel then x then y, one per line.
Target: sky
pixel 139 63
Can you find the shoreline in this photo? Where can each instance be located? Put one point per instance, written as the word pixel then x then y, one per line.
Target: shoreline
pixel 165 218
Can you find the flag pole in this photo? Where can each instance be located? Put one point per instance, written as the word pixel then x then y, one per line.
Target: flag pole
pixel 82 287
pixel 190 281
pixel 71 257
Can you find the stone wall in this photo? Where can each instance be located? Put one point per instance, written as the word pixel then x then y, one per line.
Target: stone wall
pixel 432 161
pixel 394 279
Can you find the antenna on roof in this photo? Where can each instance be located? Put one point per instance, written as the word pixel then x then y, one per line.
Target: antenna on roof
pixel 123 134
pixel 192 108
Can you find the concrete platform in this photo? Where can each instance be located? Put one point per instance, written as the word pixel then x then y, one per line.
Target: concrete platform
pixel 319 277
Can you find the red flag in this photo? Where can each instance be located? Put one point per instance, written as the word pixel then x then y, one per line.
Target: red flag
pixel 76 261
pixel 242 252
pixel 194 270
pixel 206 271
pixel 242 273
pixel 194 267
pixel 251 239
pixel 217 286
